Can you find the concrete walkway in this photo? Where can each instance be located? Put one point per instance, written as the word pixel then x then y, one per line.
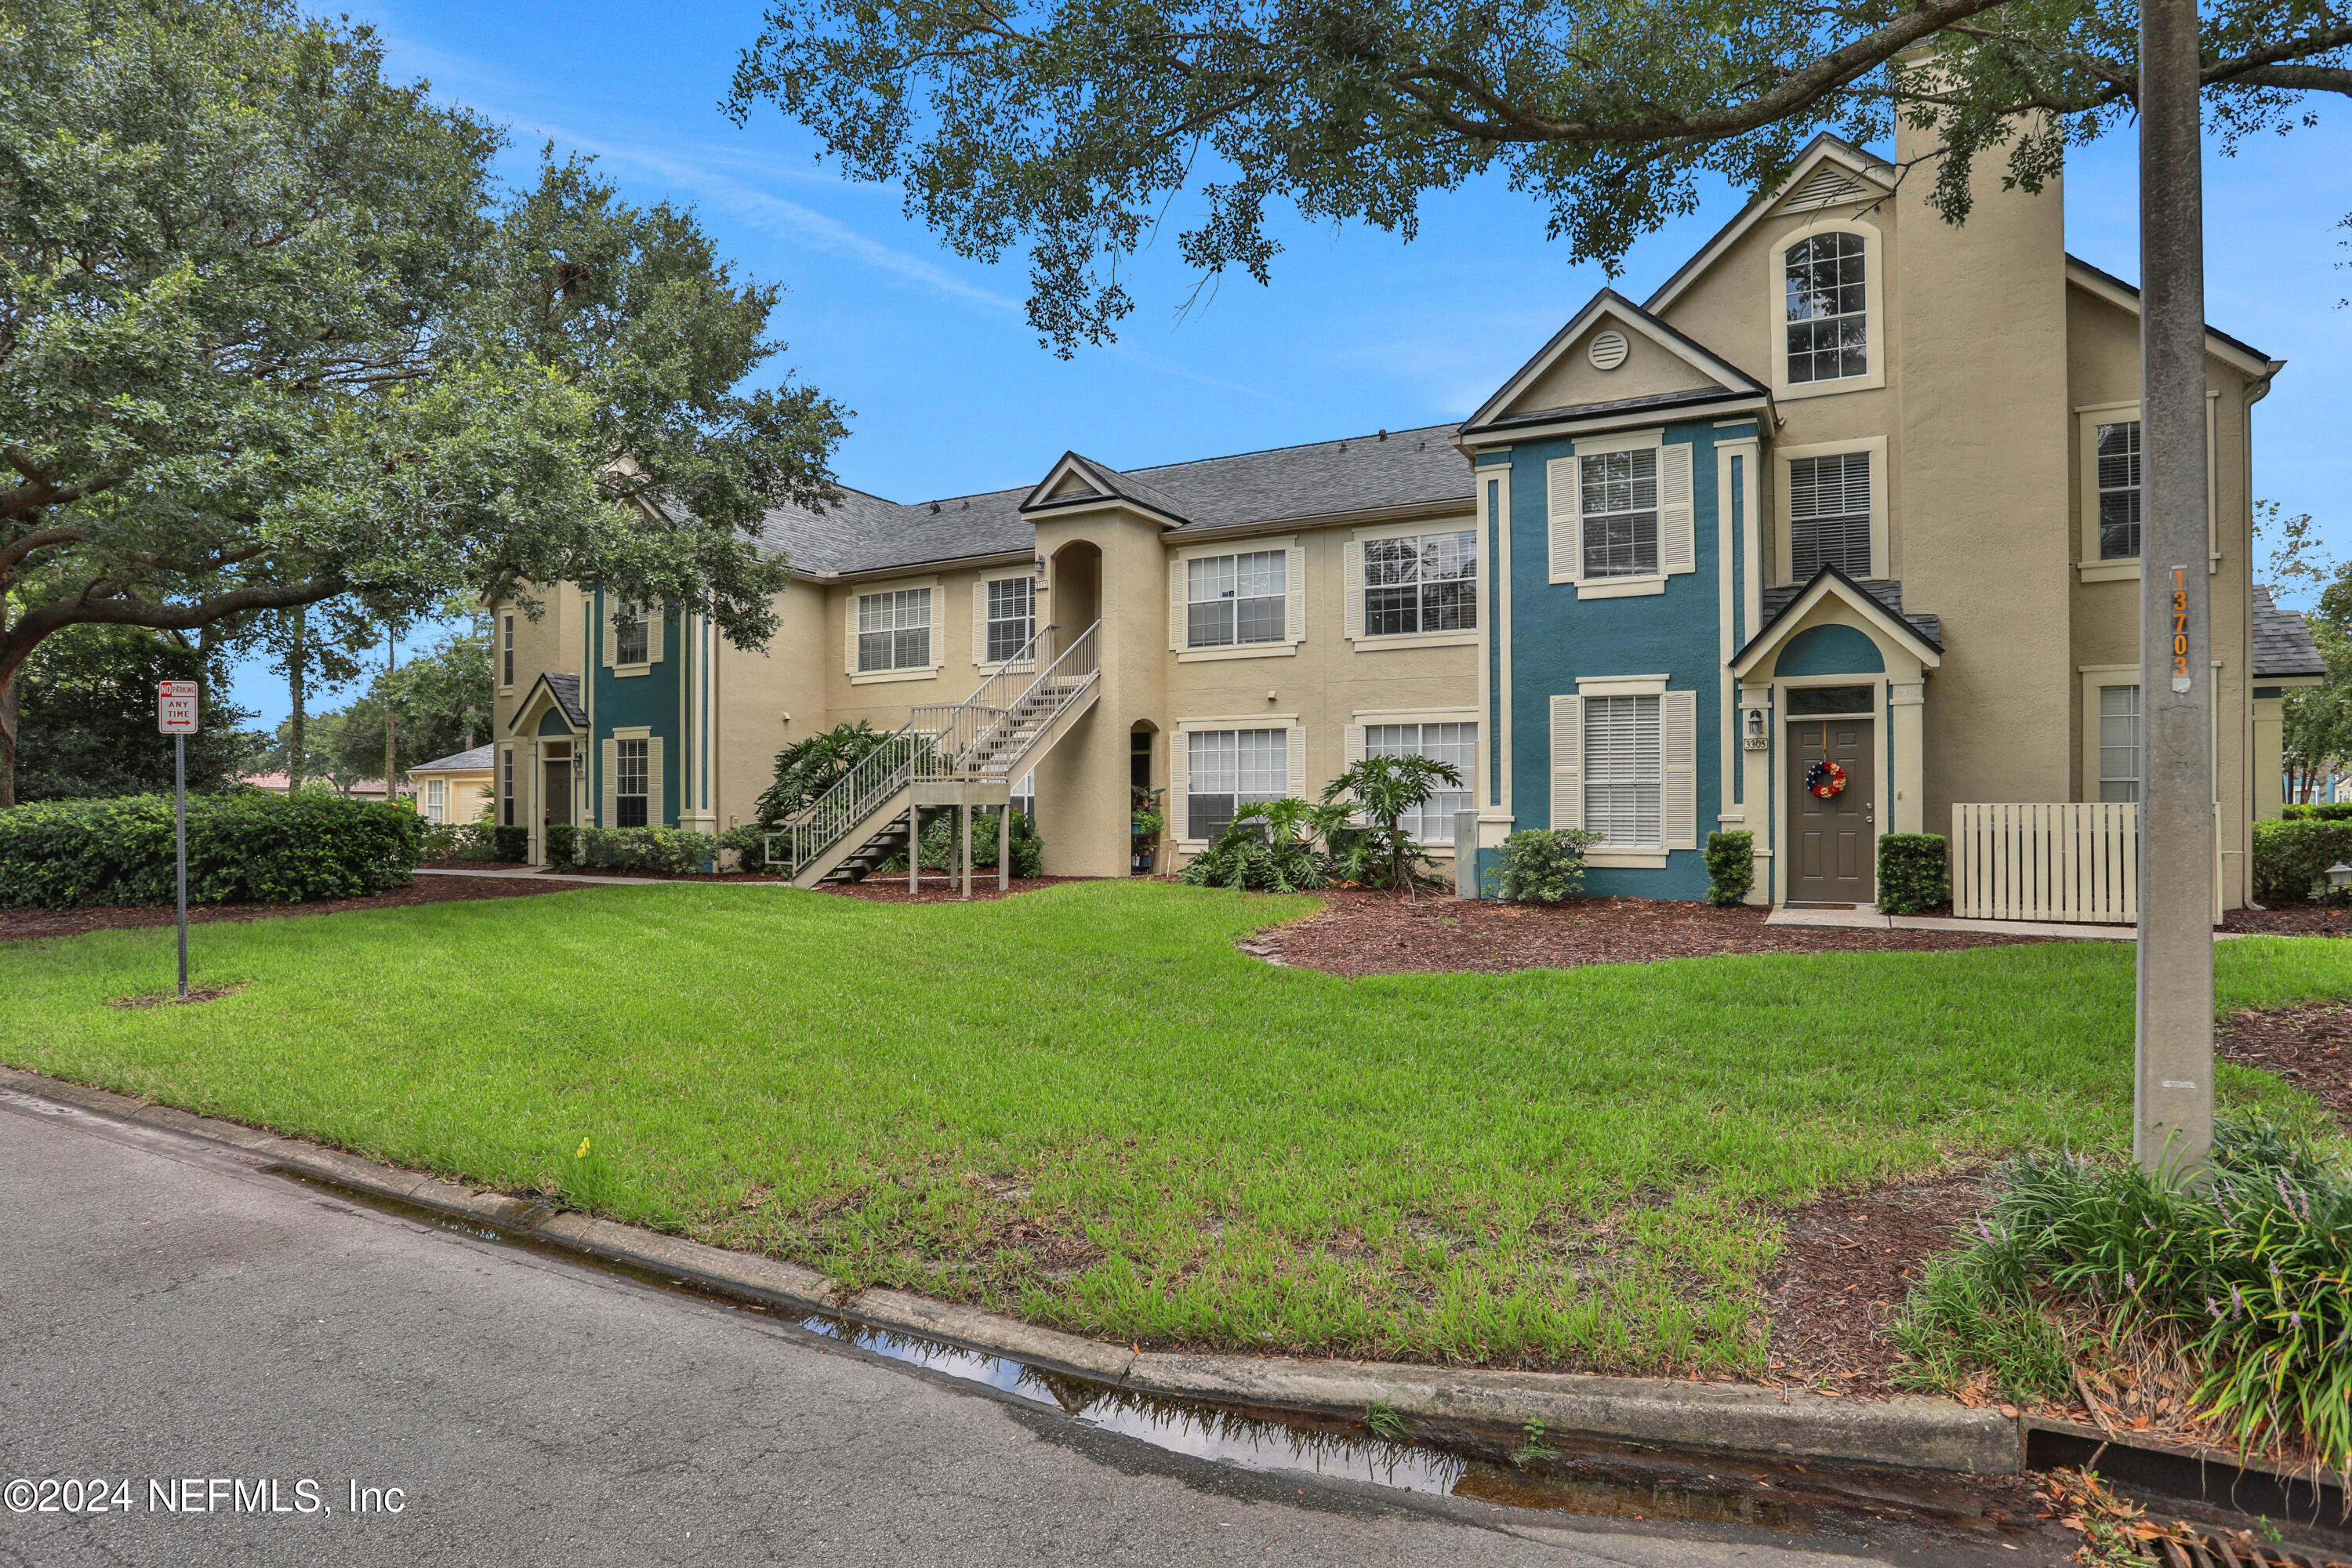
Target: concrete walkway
pixel 595 882
pixel 1870 919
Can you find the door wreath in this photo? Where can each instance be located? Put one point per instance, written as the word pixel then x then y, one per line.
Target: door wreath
pixel 1825 779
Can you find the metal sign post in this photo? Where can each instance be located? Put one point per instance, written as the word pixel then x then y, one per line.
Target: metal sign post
pixel 175 715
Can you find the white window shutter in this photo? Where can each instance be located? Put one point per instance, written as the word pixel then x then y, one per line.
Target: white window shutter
pixel 653 817
pixel 849 633
pixel 655 627
pixel 1295 625
pixel 1679 759
pixel 1677 546
pixel 607 754
pixel 1567 513
pixel 1175 604
pixel 1180 764
pixel 607 639
pixel 1567 762
pixel 1355 744
pixel 1294 753
pixel 1353 585
pixel 980 621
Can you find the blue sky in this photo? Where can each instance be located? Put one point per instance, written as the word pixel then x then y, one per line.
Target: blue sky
pixel 1358 331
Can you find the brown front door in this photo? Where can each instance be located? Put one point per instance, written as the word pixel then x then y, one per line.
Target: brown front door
pixel 1833 843
pixel 557 797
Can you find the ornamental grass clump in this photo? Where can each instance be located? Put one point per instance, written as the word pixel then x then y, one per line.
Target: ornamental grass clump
pixel 2250 1272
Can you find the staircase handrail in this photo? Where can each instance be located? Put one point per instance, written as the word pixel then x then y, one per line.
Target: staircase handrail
pixel 855 796
pixel 1071 672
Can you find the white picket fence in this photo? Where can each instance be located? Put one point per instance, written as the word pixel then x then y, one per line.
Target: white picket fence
pixel 2062 860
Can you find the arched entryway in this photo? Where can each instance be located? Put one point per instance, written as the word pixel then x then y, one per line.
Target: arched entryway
pixel 1074 593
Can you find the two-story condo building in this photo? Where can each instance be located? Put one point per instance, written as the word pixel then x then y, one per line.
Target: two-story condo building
pixel 1852 486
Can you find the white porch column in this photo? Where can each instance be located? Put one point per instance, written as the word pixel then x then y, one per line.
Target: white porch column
pixel 1906 715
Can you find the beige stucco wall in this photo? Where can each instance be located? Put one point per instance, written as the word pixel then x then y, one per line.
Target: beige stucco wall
pixel 1648 371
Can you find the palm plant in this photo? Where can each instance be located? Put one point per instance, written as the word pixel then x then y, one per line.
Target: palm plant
pixel 1269 847
pixel 1366 831
pixel 806 769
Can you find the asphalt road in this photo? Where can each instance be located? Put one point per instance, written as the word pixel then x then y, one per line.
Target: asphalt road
pixel 177 1319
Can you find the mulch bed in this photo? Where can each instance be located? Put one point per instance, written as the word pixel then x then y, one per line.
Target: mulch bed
pixel 2291 920
pixel 1848 1263
pixel 1370 933
pixel 2310 1047
pixel 474 866
pixel 892 890
pixel 25 925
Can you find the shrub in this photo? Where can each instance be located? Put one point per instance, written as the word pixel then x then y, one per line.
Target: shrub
pixel 561 842
pixel 1366 843
pixel 2291 859
pixel 1543 865
pixel 481 841
pixel 2244 1271
pixel 750 847
pixel 438 841
pixel 1730 866
pixel 1914 873
pixel 806 769
pixel 243 848
pixel 1268 848
pixel 2318 811
pixel 661 851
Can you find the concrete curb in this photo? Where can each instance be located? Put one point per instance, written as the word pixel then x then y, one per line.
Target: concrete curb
pixel 1915 1431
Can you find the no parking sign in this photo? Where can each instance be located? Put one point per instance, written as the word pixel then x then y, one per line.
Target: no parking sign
pixel 176 707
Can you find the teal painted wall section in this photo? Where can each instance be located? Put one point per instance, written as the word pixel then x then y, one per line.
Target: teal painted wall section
pixel 1830 650
pixel 650 700
pixel 553 722
pixel 1555 637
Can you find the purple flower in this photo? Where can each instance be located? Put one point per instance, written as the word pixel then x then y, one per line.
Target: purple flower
pixel 2237 1300
pixel 2294 1320
pixel 2211 1308
pixel 1984 1230
pixel 2130 1283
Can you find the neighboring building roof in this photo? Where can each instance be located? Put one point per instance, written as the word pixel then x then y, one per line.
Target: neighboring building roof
pixel 279 782
pixel 2283 647
pixel 476 761
pixel 1389 468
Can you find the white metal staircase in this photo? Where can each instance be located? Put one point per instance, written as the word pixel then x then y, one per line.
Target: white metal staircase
pixel 963 754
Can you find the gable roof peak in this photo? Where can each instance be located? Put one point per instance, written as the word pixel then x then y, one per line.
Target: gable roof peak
pixel 1710 366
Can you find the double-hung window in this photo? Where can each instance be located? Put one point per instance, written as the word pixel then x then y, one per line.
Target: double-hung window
pixel 894 630
pixel 1237 599
pixel 631 778
pixel 2119 738
pixel 1620 502
pixel 1829 515
pixel 1829 308
pixel 437 800
pixel 632 636
pixel 1012 617
pixel 506 786
pixel 1424 583
pixel 1625 771
pixel 1456 744
pixel 2118 481
pixel 505 650
pixel 1231 769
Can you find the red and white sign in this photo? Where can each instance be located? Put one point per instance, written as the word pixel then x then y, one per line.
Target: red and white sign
pixel 176 707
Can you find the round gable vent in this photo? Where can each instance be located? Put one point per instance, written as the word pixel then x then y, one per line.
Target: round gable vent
pixel 1608 350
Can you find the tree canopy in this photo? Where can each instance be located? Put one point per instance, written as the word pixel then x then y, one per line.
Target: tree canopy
pixel 87 717
pixel 1066 128
pixel 269 337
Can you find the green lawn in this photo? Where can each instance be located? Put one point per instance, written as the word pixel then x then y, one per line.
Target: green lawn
pixel 1084 1106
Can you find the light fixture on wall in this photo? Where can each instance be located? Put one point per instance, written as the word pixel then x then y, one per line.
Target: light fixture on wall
pixel 1753 740
pixel 579 762
pixel 1038 567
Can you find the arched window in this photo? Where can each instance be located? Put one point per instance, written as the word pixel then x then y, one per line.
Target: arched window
pixel 1829 308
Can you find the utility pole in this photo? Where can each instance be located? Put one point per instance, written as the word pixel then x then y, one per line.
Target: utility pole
pixel 2173 1097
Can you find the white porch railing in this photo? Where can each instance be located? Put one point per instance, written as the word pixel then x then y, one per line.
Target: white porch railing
pixel 2062 860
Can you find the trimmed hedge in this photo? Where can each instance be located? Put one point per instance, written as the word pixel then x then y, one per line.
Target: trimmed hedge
pixel 2318 811
pixel 2291 859
pixel 1730 866
pixel 662 851
pixel 243 848
pixel 1914 873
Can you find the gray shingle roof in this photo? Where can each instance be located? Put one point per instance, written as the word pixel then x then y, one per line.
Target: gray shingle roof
pixel 1887 591
pixel 2283 645
pixel 1391 468
pixel 476 761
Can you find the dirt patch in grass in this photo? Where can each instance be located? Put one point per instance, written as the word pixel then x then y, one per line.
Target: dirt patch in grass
pixel 892 890
pixel 25 925
pixel 171 999
pixel 1367 932
pixel 1847 1265
pixel 2310 1047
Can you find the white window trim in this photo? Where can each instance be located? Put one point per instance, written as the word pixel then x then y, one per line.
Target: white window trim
pixel 856 590
pixel 1621 684
pixel 1627 686
pixel 1351 584
pixel 1783 535
pixel 1571 570
pixel 1874 269
pixel 1294 612
pixel 1364 718
pixel 652 611
pixel 1180 764
pixel 980 622
pixel 2089 417
pixel 506 640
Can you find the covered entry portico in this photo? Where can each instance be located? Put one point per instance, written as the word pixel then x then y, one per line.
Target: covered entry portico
pixel 542 762
pixel 1833 691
